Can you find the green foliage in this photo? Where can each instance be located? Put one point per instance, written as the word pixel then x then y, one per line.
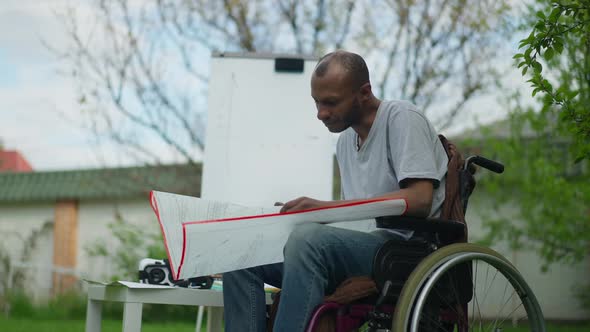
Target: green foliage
pixel 560 38
pixel 72 306
pixel 134 242
pixel 583 294
pixel 551 193
pixel 18 303
pixel 108 325
pixel 69 305
pixel 27 325
pixel 5 266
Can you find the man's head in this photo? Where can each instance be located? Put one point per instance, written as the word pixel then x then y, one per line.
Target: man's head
pixel 341 90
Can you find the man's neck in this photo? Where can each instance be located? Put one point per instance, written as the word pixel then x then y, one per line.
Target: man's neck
pixel 366 122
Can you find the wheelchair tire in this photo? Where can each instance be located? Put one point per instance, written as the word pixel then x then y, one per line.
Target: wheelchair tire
pixel 430 279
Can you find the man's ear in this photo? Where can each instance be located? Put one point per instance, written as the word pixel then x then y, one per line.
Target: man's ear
pixel 365 91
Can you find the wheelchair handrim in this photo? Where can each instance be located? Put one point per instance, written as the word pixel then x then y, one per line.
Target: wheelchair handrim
pixel 452 256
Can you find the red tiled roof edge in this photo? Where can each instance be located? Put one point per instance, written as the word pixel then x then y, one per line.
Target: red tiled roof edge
pixel 13 161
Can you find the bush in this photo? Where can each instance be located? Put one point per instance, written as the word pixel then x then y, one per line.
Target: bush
pixel 72 306
pixel 18 304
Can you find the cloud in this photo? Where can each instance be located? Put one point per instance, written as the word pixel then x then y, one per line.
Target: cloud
pixel 39 115
pixel 43 122
pixel 24 25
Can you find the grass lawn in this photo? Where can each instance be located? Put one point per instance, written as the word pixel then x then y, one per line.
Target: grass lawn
pixel 555 328
pixel 24 325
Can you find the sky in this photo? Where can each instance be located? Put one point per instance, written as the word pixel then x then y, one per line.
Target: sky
pixel 37 103
pixel 39 115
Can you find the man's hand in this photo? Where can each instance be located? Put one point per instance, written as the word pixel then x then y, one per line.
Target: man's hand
pixel 303 203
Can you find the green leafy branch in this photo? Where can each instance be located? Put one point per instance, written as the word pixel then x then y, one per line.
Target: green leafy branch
pixel 546 40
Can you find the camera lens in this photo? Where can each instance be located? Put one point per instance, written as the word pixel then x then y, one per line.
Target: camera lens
pixel 157 276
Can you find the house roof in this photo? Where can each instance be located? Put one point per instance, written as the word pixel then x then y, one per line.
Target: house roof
pixel 106 183
pixel 13 161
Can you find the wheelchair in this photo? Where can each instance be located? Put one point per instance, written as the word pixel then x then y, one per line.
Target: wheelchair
pixel 438 282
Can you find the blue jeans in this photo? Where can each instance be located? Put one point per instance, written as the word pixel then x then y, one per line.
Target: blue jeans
pixel 317 259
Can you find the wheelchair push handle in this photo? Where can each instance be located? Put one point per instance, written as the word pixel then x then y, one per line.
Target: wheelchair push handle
pixel 486 163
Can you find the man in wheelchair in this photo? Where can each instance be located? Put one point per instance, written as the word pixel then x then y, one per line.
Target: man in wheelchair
pixel 386 149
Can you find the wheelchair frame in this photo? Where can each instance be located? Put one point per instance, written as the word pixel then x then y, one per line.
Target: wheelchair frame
pixel 425 277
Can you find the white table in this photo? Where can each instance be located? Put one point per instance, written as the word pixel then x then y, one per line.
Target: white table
pixel 134 298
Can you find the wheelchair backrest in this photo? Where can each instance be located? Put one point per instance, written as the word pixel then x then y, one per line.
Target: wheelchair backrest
pixel 460 181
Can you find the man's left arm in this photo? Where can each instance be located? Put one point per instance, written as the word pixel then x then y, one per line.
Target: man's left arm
pixel 417 193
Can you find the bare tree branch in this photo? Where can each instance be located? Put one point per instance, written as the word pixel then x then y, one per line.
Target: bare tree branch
pixel 289 11
pixel 141 66
pixel 237 11
pixel 350 6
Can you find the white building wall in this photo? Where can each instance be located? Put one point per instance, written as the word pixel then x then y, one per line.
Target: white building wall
pixel 94 218
pixel 555 288
pixel 18 223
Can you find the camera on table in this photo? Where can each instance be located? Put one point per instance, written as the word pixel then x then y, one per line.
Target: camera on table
pixel 157 272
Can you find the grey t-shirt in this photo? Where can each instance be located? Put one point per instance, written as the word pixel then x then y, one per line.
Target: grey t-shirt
pixel 414 151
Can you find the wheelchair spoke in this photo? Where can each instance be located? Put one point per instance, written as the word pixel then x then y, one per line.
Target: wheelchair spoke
pixel 510 314
pixel 486 283
pixel 497 296
pixel 474 277
pixel 492 287
pixel 491 283
pixel 475 299
pixel 505 304
pixel 503 296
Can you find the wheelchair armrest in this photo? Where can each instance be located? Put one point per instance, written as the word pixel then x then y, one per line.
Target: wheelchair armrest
pixel 426 225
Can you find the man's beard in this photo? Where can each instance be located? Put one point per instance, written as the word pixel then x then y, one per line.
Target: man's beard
pixel 354 115
pixel 350 118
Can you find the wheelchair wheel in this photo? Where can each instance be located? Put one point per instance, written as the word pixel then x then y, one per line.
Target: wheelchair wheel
pixel 434 297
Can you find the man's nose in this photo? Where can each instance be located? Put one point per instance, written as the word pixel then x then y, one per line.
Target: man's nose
pixel 323 115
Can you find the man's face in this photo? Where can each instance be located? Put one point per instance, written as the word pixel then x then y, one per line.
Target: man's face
pixel 336 101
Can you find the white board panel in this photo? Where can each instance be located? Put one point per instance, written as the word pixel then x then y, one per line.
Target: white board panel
pixel 263 142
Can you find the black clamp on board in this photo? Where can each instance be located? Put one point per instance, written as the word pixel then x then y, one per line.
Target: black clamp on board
pixel 289 65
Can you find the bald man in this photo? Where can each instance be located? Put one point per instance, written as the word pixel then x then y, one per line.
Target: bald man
pixel 386 149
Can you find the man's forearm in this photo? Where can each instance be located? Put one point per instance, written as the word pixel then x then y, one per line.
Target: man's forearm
pixel 418 197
